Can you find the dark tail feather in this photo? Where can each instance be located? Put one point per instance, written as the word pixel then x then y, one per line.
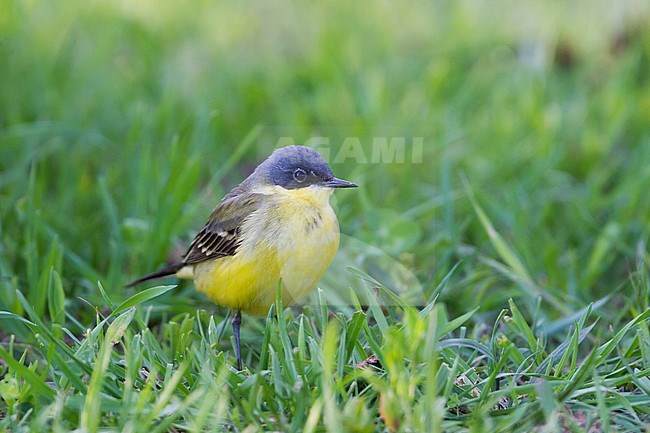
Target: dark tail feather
pixel 167 270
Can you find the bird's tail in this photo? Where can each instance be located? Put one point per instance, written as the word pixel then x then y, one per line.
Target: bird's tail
pixel 167 270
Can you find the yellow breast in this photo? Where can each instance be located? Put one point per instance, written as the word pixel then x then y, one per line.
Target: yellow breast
pixel 292 238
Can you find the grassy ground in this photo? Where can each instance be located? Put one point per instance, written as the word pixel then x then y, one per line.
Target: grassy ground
pixel 501 280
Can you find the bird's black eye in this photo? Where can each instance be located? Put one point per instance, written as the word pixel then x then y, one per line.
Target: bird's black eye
pixel 299 175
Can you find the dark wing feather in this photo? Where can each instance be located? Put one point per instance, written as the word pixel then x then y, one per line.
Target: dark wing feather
pixel 221 235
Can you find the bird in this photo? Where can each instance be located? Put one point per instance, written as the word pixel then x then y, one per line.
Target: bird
pixel 275 229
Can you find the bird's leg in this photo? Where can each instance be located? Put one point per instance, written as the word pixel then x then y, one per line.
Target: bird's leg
pixel 236 322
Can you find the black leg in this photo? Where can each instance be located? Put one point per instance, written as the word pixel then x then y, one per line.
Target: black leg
pixel 236 322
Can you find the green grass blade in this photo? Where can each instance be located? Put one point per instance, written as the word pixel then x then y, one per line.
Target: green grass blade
pixel 141 297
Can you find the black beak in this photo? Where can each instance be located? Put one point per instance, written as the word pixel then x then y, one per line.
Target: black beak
pixel 338 183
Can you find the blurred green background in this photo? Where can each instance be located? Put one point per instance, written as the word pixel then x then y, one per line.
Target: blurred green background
pixel 122 124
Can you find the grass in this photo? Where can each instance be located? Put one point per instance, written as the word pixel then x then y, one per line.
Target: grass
pixel 501 282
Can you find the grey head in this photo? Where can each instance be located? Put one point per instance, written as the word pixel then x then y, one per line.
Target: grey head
pixel 294 167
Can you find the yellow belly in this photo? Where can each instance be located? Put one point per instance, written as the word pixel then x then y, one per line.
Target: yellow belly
pixel 292 240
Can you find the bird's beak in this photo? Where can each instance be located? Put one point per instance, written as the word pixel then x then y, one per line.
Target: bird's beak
pixel 338 183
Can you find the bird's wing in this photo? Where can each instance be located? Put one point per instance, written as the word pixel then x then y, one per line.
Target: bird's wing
pixel 221 235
